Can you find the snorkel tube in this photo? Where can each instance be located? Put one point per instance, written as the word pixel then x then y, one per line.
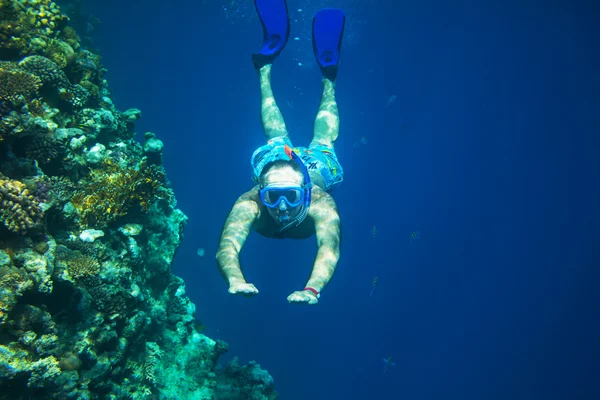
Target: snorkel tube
pixel 307 185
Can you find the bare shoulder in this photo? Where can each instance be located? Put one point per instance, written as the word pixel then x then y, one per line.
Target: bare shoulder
pixel 248 204
pixel 251 194
pixel 323 206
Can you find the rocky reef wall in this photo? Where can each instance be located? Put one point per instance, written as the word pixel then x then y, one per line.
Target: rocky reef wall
pixel 89 307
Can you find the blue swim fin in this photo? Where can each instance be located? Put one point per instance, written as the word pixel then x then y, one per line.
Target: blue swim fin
pixel 275 20
pixel 328 29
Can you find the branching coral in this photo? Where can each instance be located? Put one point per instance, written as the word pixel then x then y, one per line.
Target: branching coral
pixel 110 301
pixel 82 267
pixel 18 208
pixel 112 190
pixel 15 85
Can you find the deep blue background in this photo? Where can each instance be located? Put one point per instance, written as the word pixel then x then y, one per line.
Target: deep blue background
pixel 490 150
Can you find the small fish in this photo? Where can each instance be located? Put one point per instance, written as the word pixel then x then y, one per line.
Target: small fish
pixel 363 141
pixel 201 252
pixel 391 100
pixel 415 236
pixel 374 231
pixel 388 363
pixel 85 128
pixel 375 280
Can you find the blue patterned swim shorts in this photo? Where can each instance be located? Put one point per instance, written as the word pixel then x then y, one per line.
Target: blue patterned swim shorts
pixel 318 159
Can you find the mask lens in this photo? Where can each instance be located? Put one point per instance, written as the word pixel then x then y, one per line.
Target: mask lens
pixel 292 196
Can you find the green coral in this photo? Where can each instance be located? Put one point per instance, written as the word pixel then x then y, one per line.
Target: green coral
pixel 112 190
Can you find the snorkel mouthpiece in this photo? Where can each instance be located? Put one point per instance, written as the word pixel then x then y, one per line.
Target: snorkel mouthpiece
pixel 297 220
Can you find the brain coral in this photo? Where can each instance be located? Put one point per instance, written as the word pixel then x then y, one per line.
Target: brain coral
pixel 45 69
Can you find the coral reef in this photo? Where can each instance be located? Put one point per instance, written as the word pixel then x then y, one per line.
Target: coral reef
pixel 112 190
pixel 89 307
pixel 15 85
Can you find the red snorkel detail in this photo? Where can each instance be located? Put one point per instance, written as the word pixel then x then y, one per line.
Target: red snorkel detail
pixel 288 151
pixel 307 186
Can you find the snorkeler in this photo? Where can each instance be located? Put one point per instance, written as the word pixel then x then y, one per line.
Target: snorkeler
pixel 291 198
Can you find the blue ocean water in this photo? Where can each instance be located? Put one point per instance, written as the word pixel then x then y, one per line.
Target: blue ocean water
pixel 473 123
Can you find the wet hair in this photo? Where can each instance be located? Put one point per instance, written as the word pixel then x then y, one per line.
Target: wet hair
pixel 278 164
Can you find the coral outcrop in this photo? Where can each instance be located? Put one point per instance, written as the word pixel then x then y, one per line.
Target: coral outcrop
pixel 19 210
pixel 89 307
pixel 113 189
pixel 15 85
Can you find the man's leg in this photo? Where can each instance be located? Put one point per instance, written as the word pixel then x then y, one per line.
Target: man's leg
pixel 327 123
pixel 272 120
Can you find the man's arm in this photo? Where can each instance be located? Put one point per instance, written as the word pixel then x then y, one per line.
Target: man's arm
pixel 237 227
pixel 327 228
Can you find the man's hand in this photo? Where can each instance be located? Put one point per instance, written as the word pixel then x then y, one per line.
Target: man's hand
pixel 244 289
pixel 303 297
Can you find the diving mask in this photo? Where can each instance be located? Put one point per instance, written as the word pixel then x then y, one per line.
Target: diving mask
pixel 273 196
pixel 292 196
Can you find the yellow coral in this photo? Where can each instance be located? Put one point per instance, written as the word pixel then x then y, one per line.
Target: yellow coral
pixel 113 190
pixel 18 208
pixel 27 26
